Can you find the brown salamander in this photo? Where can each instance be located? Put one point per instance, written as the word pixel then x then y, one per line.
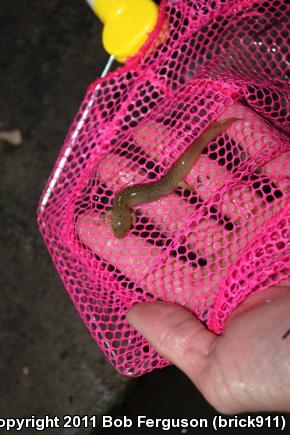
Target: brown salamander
pixel 141 193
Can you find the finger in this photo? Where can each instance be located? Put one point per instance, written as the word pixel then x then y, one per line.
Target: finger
pixel 131 256
pixel 256 137
pixel 279 170
pixel 146 265
pixel 176 334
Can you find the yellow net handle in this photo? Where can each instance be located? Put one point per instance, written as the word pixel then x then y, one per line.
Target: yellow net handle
pixel 127 24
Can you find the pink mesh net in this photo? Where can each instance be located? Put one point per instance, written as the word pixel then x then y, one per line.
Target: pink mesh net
pixel 207 245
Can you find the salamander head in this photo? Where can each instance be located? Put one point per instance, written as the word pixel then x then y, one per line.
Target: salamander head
pixel 121 221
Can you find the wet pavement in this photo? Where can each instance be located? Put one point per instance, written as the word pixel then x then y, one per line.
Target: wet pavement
pixel 49 53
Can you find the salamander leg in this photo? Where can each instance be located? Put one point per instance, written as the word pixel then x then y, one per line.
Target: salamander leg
pixel 184 185
pixel 133 219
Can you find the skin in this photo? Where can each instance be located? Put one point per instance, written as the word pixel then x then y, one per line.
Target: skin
pixel 141 193
pixel 245 369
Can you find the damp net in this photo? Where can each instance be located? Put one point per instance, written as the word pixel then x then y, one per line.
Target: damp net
pixel 210 244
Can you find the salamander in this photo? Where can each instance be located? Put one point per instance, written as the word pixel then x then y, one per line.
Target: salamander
pixel 141 193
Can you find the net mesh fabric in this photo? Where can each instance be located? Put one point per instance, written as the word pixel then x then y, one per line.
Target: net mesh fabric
pixel 212 242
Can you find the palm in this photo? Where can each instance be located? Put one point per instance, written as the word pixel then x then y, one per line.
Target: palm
pixel 247 368
pixel 247 363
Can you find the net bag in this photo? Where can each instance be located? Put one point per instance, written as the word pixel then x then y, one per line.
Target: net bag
pixel 222 234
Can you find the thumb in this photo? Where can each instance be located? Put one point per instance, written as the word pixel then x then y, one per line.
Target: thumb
pixel 175 333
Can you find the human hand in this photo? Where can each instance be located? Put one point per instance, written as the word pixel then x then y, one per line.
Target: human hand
pixel 213 238
pixel 247 368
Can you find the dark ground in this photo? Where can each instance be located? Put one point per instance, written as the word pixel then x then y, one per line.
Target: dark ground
pixel 49 53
